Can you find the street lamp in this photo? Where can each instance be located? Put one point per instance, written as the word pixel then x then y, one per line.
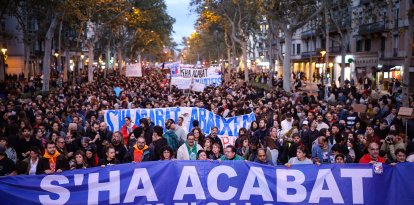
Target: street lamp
pixel 56 55
pixel 4 50
pixel 323 52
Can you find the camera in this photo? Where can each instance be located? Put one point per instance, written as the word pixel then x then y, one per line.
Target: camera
pixel 389 139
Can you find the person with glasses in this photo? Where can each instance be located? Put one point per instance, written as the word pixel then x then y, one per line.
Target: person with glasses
pixel 373 155
pixel 139 153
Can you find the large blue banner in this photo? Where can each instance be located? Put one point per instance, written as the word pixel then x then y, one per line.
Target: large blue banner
pixel 214 183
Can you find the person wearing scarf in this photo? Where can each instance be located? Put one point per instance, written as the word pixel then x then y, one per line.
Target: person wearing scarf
pixel 52 161
pixel 139 153
pixel 188 150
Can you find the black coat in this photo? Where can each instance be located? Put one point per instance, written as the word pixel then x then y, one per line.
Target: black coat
pixel 61 163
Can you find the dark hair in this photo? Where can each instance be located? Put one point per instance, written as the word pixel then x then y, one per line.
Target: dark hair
pixel 158 130
pixel 35 149
pixel 340 155
pixel 190 134
pixel 109 147
pixel 195 123
pixel 382 153
pixel 400 150
pixel 164 148
pixel 233 148
pixel 303 149
pixel 144 121
pixel 50 142
pixel 199 152
pixel 80 152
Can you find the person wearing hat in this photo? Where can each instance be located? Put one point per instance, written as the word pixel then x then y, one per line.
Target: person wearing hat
pixel 7 166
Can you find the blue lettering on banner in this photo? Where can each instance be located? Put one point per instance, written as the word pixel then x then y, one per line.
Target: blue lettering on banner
pixel 205 182
pixel 206 118
pixel 108 116
pixel 210 122
pixel 226 127
pixel 202 118
pixel 160 117
pixel 236 125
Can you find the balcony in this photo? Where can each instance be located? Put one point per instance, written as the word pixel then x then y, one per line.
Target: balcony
pixel 309 54
pixel 335 49
pixel 370 28
pixel 308 34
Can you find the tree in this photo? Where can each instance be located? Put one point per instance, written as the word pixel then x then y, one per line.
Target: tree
pixel 408 54
pixel 290 15
pixel 241 16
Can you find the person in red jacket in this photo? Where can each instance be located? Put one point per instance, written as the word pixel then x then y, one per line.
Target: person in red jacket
pixel 373 155
pixel 127 129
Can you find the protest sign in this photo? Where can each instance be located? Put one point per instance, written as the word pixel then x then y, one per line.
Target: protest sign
pixel 227 126
pixel 133 70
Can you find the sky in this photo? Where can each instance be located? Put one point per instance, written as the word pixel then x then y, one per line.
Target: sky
pixel 184 19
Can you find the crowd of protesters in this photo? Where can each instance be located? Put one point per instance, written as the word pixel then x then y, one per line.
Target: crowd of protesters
pixel 65 128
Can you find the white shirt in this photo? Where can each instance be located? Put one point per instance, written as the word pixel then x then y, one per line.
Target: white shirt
pixel 33 166
pixel 321 125
pixel 182 152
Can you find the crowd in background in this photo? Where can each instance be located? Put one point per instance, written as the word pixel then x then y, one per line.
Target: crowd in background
pixel 65 128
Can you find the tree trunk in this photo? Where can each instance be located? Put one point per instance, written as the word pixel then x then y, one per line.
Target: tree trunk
pixel 343 63
pixel 65 66
pixel 327 54
pixel 286 60
pixel 91 46
pixel 407 60
pixel 246 70
pixel 229 59
pixel 48 53
pixel 108 58
pixel 59 58
pixel 2 68
pixel 26 70
pixel 120 60
pixel 270 54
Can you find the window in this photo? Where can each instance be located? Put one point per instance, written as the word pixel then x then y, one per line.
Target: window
pixel 293 49
pixel 367 44
pixel 298 48
pixel 382 43
pixel 395 41
pixel 359 45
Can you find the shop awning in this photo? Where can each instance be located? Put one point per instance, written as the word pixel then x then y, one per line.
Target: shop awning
pixel 387 68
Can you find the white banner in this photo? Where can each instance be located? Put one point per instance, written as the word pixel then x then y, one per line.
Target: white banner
pixel 133 70
pixel 228 128
pixel 193 73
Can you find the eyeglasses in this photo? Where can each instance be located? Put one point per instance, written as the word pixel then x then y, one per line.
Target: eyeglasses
pixel 374 149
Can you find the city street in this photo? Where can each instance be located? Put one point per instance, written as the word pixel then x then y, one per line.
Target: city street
pixel 206 102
